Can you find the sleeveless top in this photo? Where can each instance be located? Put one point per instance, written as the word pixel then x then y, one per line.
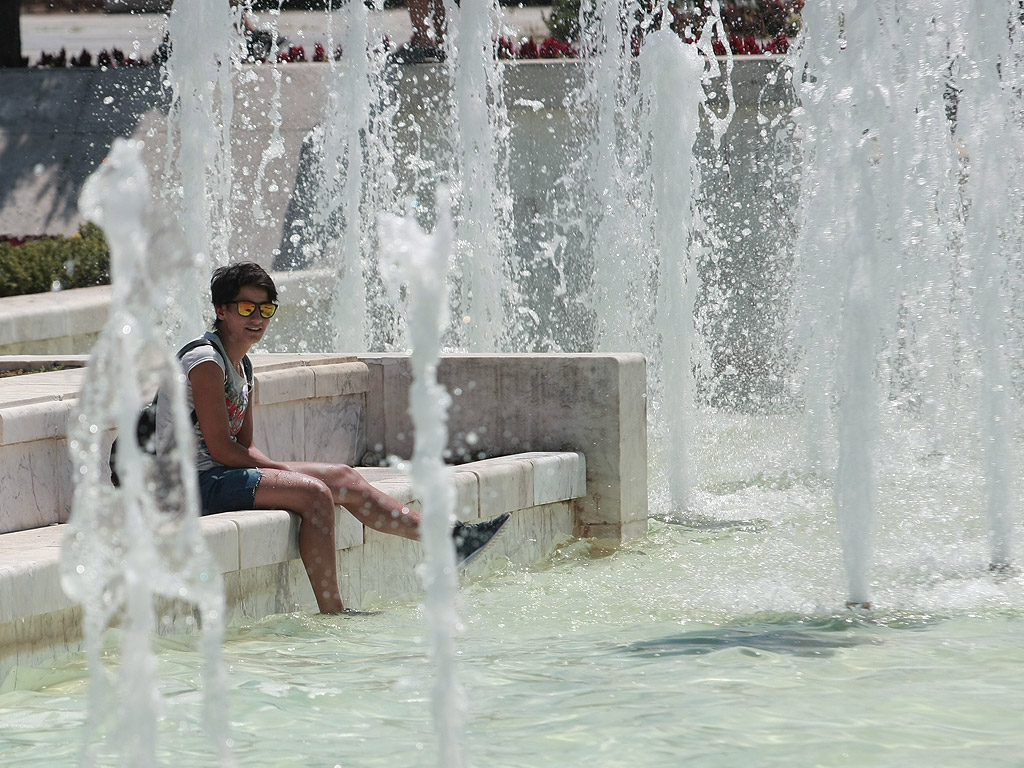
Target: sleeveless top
pixel 236 398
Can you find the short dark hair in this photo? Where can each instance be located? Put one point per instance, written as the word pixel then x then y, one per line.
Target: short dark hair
pixel 228 281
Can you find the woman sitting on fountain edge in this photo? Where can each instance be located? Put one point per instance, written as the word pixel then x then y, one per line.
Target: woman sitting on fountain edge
pixel 235 475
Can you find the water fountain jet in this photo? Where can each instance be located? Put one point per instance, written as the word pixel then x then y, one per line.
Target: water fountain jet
pixel 127 548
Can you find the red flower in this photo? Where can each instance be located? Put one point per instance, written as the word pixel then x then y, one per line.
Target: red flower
pixel 779 45
pixel 529 50
pixel 294 53
pixel 745 46
pixel 319 54
pixel 553 48
pixel 506 48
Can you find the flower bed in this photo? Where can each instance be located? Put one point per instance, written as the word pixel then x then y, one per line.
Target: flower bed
pixel 506 50
pixel 753 27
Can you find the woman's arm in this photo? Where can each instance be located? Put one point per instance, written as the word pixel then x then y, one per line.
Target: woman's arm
pixel 208 398
pixel 244 436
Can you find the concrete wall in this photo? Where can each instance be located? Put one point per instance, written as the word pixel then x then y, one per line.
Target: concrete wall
pixel 56 126
pixel 507 404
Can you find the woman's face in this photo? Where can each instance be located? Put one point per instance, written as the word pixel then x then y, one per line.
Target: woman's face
pixel 246 330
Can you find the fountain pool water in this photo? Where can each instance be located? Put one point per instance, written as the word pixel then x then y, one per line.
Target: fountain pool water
pixel 720 638
pixel 717 641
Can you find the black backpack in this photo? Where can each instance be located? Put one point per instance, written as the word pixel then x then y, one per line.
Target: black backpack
pixel 145 425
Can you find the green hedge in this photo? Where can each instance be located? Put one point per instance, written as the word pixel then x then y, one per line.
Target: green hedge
pixel 70 262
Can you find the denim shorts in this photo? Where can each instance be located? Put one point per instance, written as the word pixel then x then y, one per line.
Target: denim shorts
pixel 226 489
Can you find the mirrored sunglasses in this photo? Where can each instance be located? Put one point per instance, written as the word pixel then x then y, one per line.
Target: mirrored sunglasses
pixel 246 308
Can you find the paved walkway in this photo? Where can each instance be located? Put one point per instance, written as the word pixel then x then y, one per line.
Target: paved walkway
pixel 141 32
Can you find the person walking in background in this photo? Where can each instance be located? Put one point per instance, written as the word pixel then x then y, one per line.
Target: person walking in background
pixel 428 32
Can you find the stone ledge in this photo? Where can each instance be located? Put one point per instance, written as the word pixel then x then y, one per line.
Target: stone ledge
pixel 40 387
pixel 67 323
pixel 26 422
pixel 280 381
pixel 52 315
pixel 241 541
pixel 283 385
pixel 36 407
pixel 30 573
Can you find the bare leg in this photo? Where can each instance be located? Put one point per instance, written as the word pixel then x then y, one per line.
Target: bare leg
pixel 428 22
pixel 374 508
pixel 440 22
pixel 313 501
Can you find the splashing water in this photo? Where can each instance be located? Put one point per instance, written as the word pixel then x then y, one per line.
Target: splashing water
pixel 903 163
pixel 418 260
pixel 130 549
pixel 482 200
pixel 275 146
pixel 665 63
pixel 908 287
pixel 198 74
pixel 614 218
pixel 638 202
pixel 990 126
pixel 356 159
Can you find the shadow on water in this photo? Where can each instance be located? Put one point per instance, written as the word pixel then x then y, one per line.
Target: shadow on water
pixel 692 521
pixel 794 636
